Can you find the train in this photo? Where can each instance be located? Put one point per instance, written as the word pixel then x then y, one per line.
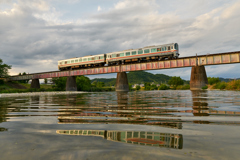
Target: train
pixel 145 54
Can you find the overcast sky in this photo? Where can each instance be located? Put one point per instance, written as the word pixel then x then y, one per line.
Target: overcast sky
pixel 35 34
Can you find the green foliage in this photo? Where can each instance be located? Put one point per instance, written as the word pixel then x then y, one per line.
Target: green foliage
pixel 138 87
pixel 205 87
pixel 60 83
pixel 220 85
pixel 233 85
pixel 1 82
pixel 148 86
pixel 100 84
pixel 4 69
pixel 183 87
pixel 175 81
pixel 138 77
pixel 163 87
pixel 45 80
pixel 107 82
pixel 83 83
pixel 213 80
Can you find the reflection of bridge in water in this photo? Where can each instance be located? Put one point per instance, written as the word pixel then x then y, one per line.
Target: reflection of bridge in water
pixel 156 139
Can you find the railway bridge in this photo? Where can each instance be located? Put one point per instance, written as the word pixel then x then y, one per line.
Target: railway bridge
pixel 197 81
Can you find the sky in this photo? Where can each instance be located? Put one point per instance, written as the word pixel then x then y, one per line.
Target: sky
pixel 35 34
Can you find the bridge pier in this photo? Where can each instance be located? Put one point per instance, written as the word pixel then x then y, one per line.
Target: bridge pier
pixel 71 84
pixel 198 78
pixel 35 84
pixel 122 82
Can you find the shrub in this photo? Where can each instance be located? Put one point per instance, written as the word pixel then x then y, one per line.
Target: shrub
pixel 183 87
pixel 213 80
pixel 163 87
pixel 205 87
pixel 220 85
pixel 138 87
pixel 233 85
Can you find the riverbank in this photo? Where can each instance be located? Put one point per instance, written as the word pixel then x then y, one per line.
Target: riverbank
pixel 39 93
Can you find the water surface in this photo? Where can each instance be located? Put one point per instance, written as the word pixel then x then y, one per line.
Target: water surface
pixel 111 125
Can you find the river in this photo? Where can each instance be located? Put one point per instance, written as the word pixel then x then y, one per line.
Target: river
pixel 111 125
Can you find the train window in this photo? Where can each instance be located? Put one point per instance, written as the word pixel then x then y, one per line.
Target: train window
pixel 127 53
pixel 60 63
pixel 159 49
pixel 85 59
pixel 134 52
pixel 118 55
pixel 153 50
pixel 68 62
pixel 146 51
pixel 169 48
pixel 113 55
pixel 165 48
pixel 101 57
pixel 176 46
pixel 93 58
pixel 72 61
pixel 89 59
pixel 121 54
pixel 76 60
pixel 65 62
pixel 80 60
pixel 140 52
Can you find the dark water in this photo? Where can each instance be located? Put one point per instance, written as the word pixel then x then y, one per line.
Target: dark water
pixel 134 125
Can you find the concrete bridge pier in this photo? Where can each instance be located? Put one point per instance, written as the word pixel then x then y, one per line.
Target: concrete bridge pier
pixel 35 84
pixel 71 84
pixel 122 82
pixel 198 78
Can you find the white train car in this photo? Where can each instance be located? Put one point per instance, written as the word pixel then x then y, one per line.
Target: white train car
pixel 82 62
pixel 157 52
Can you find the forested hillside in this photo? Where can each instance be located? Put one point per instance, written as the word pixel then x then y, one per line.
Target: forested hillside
pixel 137 77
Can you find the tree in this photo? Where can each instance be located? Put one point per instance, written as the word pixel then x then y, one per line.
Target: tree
pixel 4 69
pixel 23 81
pixel 60 83
pixel 175 81
pixel 100 84
pixel 138 87
pixel 83 83
pixel 213 80
pixel 45 80
pixel 147 86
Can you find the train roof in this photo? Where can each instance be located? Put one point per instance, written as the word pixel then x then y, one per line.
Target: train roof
pixel 142 48
pixel 81 57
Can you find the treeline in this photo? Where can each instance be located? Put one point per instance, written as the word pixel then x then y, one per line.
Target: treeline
pixel 172 83
pixel 216 83
pixel 83 84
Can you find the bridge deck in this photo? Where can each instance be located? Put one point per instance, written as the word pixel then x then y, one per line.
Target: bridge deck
pixel 209 59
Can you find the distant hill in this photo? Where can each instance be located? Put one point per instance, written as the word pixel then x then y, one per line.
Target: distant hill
pixel 138 77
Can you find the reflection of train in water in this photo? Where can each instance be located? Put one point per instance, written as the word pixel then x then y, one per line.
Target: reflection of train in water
pixel 158 52
pixel 157 139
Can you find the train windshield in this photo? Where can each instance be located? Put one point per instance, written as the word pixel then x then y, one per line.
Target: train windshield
pixel 176 46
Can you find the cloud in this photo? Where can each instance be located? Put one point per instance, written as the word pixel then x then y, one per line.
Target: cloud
pixel 99 8
pixel 34 31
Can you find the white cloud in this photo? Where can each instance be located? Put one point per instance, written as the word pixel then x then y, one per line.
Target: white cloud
pixel 99 8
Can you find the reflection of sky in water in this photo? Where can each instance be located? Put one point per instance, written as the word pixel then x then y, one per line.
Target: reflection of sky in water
pixel 207 121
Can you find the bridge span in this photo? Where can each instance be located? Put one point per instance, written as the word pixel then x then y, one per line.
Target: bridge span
pixel 197 81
